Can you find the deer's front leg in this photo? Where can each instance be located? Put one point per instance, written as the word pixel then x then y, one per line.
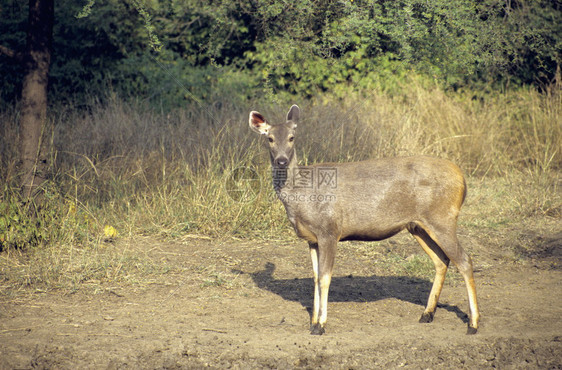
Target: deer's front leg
pixel 316 307
pixel 323 255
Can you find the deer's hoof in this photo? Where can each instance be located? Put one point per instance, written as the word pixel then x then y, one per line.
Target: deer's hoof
pixel 426 317
pixel 316 329
pixel 471 330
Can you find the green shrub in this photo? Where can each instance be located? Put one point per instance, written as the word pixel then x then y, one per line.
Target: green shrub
pixel 52 219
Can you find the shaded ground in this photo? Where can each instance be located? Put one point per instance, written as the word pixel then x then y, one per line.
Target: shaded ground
pixel 246 305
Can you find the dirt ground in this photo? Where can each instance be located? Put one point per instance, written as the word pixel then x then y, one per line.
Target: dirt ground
pixel 240 304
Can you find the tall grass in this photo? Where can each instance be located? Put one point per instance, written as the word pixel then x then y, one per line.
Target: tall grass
pixel 199 171
pixel 167 172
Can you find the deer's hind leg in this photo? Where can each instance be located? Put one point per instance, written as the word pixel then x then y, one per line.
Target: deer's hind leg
pixel 441 262
pixel 444 238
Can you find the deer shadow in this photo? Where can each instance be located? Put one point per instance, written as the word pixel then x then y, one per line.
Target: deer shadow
pixel 351 289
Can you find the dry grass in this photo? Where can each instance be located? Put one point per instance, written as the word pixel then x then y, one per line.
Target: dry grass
pixel 178 174
pixel 69 268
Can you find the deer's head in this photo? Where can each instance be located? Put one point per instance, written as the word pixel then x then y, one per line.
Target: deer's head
pixel 280 136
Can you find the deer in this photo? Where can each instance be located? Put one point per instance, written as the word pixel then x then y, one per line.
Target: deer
pixel 369 200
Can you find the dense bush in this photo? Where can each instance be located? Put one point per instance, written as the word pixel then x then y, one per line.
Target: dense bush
pixel 302 47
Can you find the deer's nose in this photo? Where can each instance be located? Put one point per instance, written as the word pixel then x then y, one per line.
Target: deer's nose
pixel 282 162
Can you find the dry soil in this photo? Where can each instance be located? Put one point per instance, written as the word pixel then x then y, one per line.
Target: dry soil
pixel 240 304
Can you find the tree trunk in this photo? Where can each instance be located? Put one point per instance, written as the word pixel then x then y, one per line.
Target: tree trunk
pixel 37 60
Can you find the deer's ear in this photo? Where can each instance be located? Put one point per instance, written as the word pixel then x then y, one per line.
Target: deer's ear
pixel 258 123
pixel 294 114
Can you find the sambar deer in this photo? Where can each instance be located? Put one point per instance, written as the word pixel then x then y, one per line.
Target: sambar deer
pixel 369 200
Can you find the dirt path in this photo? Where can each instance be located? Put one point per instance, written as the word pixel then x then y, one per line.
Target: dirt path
pixel 245 305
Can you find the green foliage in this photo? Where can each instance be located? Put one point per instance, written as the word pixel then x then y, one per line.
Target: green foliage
pixel 86 10
pixel 204 33
pixel 365 43
pixel 54 220
pixel 167 81
pixel 283 48
pixel 13 20
pixel 17 229
pixel 152 38
pixel 87 52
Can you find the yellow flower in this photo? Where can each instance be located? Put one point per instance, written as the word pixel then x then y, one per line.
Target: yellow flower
pixel 109 232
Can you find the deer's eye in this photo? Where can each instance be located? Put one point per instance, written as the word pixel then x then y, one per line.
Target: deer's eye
pixel 270 139
pixel 291 138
